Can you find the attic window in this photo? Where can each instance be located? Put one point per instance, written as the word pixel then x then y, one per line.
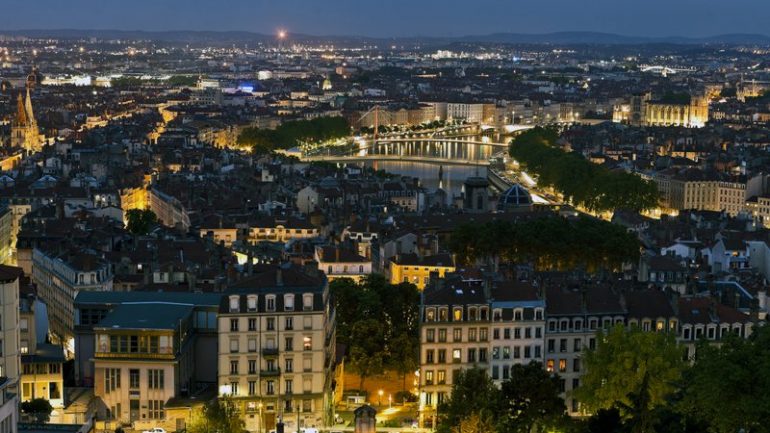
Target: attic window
pixel 234 307
pixel 251 302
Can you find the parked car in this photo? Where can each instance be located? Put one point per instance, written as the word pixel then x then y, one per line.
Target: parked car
pixel 155 430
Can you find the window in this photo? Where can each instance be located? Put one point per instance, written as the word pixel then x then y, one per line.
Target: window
pixel 576 365
pixel 456 355
pixel 270 387
pixel 252 344
pixel 288 302
pixel 251 302
pixel 133 378
pixel 457 335
pixel 577 345
pixel 430 335
pixel 442 335
pixel 307 343
pixel 307 301
pixel 233 388
pixel 111 379
pixel 471 355
pixel 507 333
pixel 472 334
pixel 563 345
pixel 288 344
pixel 516 352
pixel 441 377
pixel 551 345
pixel 234 345
pixel 270 324
pixel 483 334
pixel 289 365
pixel 252 387
pixel 517 314
pixel 234 304
pixel 252 324
pixel 441 356
pixel 429 377
pixel 483 354
pixel 155 409
pixel 289 385
pixel 495 334
pixel 430 315
pixel 270 303
pixel 562 366
pixel 288 324
pixel 233 324
pixel 429 359
pixel 457 314
pixel 549 365
pixel 155 379
pixel 252 366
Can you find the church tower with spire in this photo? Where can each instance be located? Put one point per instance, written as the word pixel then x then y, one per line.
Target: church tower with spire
pixel 24 130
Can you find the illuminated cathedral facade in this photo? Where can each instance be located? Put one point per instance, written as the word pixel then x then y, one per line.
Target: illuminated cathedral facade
pixel 24 131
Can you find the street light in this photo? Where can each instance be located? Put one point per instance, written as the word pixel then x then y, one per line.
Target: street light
pixel 380 392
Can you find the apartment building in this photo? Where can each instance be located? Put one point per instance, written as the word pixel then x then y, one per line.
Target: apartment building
pixel 9 320
pixel 144 356
pixel 60 275
pixel 411 268
pixel 339 262
pixel 9 407
pixel 700 190
pixel 276 349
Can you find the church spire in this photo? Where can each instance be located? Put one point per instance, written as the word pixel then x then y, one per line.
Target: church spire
pixel 21 112
pixel 28 108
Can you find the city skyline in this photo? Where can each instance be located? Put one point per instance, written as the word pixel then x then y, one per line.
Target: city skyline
pixel 656 18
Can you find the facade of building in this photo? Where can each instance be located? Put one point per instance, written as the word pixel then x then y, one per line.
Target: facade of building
pixel 276 349
pixel 24 131
pixel 338 262
pixel 10 361
pixel 411 268
pixel 60 276
pixel 643 110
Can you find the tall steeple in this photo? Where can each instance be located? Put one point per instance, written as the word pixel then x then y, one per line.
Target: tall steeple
pixel 21 112
pixel 28 107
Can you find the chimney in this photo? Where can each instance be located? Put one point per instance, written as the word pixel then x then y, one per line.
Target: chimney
pixel 279 277
pixel 337 254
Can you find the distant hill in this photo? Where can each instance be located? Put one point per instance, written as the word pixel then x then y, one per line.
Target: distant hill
pixel 561 38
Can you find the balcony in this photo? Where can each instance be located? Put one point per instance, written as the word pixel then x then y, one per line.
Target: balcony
pixel 270 373
pixel 269 351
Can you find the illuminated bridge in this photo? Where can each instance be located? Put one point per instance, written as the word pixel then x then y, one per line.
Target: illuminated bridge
pixel 470 150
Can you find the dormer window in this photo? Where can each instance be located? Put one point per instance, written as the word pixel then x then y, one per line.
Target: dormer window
pixel 270 302
pixel 443 315
pixel 497 315
pixel 251 303
pixel 483 313
pixel 472 314
pixel 517 314
pixel 307 301
pixel 288 302
pixel 234 304
pixel 457 314
pixel 430 315
pixel 538 314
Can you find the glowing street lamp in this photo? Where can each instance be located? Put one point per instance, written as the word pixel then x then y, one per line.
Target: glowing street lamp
pixel 380 393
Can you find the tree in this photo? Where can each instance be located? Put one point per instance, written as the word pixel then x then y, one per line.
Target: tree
pixel 378 322
pixel 473 394
pixel 39 409
pixel 219 415
pixel 630 368
pixel 530 400
pixel 140 221
pixel 726 388
pixel 474 423
pixel 367 350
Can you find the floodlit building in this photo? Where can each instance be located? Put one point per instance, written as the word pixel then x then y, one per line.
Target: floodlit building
pixel 276 349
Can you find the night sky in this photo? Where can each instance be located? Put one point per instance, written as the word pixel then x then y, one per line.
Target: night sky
pixel 397 17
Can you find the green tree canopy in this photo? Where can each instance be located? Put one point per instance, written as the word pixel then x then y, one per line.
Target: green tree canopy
pixel 592 186
pixel 292 133
pixel 549 242
pixel 219 415
pixel 530 400
pixel 473 395
pixel 140 221
pixel 623 360
pixel 39 409
pixel 727 387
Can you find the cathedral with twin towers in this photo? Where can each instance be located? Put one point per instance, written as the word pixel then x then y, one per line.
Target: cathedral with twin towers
pixel 24 130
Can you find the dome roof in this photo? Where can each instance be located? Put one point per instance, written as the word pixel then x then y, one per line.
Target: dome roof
pixel 516 195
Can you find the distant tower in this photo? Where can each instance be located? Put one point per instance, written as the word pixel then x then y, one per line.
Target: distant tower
pixel 476 194
pixel 327 84
pixel 24 130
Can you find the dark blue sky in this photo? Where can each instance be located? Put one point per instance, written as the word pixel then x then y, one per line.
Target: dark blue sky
pixel 398 17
